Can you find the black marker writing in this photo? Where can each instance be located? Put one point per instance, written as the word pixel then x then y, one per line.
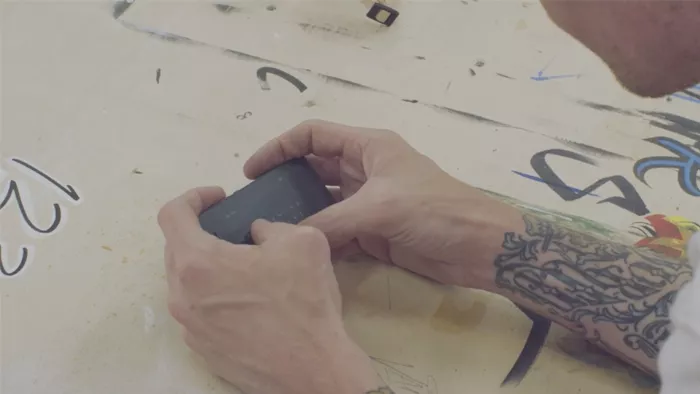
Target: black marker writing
pixel 262 78
pixel 22 262
pixel 630 200
pixel 13 190
pixel 67 189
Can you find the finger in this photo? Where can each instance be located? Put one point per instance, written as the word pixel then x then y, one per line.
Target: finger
pixel 316 137
pixel 262 230
pixel 179 218
pixel 346 251
pixel 335 193
pixel 328 169
pixel 340 222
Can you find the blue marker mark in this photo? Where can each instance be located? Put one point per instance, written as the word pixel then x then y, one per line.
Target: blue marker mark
pixel 687 98
pixel 562 186
pixel 687 162
pixel 541 77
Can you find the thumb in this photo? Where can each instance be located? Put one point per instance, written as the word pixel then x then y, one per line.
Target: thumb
pixel 262 230
pixel 340 222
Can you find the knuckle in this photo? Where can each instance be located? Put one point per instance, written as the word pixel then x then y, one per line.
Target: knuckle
pixel 313 122
pixel 389 135
pixel 192 272
pixel 178 311
pixel 164 214
pixel 310 238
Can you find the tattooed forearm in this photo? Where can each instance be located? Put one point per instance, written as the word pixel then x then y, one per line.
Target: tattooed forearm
pixel 618 296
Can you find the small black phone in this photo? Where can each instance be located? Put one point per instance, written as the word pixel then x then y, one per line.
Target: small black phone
pixel 287 193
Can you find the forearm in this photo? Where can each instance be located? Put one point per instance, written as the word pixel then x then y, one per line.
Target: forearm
pixel 618 296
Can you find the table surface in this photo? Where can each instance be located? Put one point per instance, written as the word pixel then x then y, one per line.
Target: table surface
pixel 109 110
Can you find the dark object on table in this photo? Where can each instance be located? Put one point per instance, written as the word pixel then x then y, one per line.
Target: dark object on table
pixel 382 13
pixel 288 193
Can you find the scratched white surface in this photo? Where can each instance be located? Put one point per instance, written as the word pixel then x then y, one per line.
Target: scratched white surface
pixel 80 102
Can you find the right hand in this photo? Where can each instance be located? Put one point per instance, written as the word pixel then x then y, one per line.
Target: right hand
pixel 394 203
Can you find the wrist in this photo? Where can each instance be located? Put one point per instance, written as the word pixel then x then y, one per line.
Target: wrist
pixel 340 367
pixel 483 224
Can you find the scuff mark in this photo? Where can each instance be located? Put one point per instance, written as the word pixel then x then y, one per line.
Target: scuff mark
pixel 162 35
pixel 245 56
pixel 310 28
pixel 474 117
pixel 504 76
pixel 606 108
pixel 226 9
pixel 585 148
pixel 676 124
pixel 347 83
pixel 158 76
pixel 120 8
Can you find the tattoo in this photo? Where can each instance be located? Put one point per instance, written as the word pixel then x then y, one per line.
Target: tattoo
pixel 381 390
pixel 593 283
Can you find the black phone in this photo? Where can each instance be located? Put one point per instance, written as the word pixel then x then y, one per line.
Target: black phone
pixel 288 193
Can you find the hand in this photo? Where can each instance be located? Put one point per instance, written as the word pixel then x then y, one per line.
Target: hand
pixel 395 203
pixel 267 317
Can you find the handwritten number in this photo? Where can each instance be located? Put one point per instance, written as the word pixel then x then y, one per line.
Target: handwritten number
pixel 67 189
pixel 20 266
pixel 14 190
pixel 630 200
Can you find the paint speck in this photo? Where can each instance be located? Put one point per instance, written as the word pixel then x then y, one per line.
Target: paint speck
pixel 420 57
pixel 158 76
pixel 271 7
pixel 495 150
pixel 410 101
pixel 309 104
pixel 107 248
pixel 367 48
pixel 236 154
pixel 479 63
pixel 669 99
pixel 472 72
pixel 120 8
pixel 225 8
pixel 136 171
pixel 504 76
pixel 465 2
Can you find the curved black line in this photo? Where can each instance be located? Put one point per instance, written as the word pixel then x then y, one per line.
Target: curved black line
pixel 262 77
pixel 630 200
pixel 533 345
pixel 67 189
pixel 14 189
pixel 20 266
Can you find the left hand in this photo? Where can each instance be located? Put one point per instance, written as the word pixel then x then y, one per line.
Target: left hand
pixel 265 317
